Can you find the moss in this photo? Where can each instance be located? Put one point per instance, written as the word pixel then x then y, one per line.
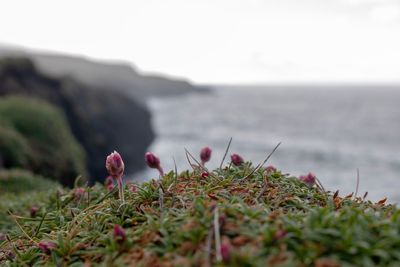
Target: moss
pixel 35 135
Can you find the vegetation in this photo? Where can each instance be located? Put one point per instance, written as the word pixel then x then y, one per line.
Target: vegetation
pixel 34 135
pixel 239 215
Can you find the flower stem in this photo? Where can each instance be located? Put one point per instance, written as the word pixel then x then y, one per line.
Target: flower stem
pixel 120 189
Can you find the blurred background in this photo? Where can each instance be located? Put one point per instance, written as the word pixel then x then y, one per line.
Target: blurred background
pixel 79 79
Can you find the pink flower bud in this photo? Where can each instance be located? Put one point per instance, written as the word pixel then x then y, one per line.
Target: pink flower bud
pixel 308 179
pixel 270 169
pixel 225 252
pixel 205 154
pixel 119 234
pixel 79 192
pixel 110 187
pixel 153 162
pixel 46 246
pixel 280 234
pixel 204 175
pixel 108 181
pixel 236 159
pixel 132 188
pixel 33 211
pixel 114 165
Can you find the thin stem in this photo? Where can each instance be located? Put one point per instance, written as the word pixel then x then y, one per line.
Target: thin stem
pixel 161 171
pixel 121 189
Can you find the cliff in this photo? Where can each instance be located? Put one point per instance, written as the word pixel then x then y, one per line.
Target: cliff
pixel 120 76
pixel 101 119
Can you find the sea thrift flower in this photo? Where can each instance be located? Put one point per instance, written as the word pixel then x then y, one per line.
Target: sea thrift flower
pixel 280 234
pixel 115 167
pixel 205 155
pixel 46 246
pixel 204 175
pixel 108 181
pixel 270 169
pixel 33 211
pixel 308 179
pixel 236 159
pixel 79 192
pixel 225 252
pixel 119 234
pixel 132 188
pixel 153 162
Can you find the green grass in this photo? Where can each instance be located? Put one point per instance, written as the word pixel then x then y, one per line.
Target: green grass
pixel 263 220
pixel 35 135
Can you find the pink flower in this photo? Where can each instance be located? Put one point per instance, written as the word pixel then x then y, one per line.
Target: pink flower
pixel 132 188
pixel 79 192
pixel 270 169
pixel 225 252
pixel 108 181
pixel 308 179
pixel 110 187
pixel 280 234
pixel 33 211
pixel 46 246
pixel 204 175
pixel 119 234
pixel 153 162
pixel 114 165
pixel 205 155
pixel 236 159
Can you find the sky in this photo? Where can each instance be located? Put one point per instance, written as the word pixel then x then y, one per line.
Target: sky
pixel 220 41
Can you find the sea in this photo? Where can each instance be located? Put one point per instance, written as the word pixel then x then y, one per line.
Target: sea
pixel 329 130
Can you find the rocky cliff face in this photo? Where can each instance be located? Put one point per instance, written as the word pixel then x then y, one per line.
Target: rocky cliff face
pixel 102 119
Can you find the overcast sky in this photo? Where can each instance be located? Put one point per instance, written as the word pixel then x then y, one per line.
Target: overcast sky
pixel 220 41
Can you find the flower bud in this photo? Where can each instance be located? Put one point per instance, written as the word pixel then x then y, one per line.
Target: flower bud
pixel 270 169
pixel 33 211
pixel 280 234
pixel 108 181
pixel 79 192
pixel 236 159
pixel 225 252
pixel 119 234
pixel 204 174
pixel 205 154
pixel 132 188
pixel 153 162
pixel 46 246
pixel 308 179
pixel 114 165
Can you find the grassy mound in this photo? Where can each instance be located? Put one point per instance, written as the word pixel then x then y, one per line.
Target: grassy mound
pixel 21 190
pixel 34 135
pixel 228 218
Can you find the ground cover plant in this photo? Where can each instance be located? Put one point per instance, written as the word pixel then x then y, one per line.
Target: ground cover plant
pixel 240 214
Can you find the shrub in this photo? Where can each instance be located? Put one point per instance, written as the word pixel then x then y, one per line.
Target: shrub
pixel 35 135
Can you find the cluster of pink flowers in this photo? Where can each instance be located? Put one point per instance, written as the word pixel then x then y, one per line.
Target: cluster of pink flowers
pixel 308 179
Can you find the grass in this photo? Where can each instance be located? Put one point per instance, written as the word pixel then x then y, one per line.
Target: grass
pixel 266 219
pixel 35 135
